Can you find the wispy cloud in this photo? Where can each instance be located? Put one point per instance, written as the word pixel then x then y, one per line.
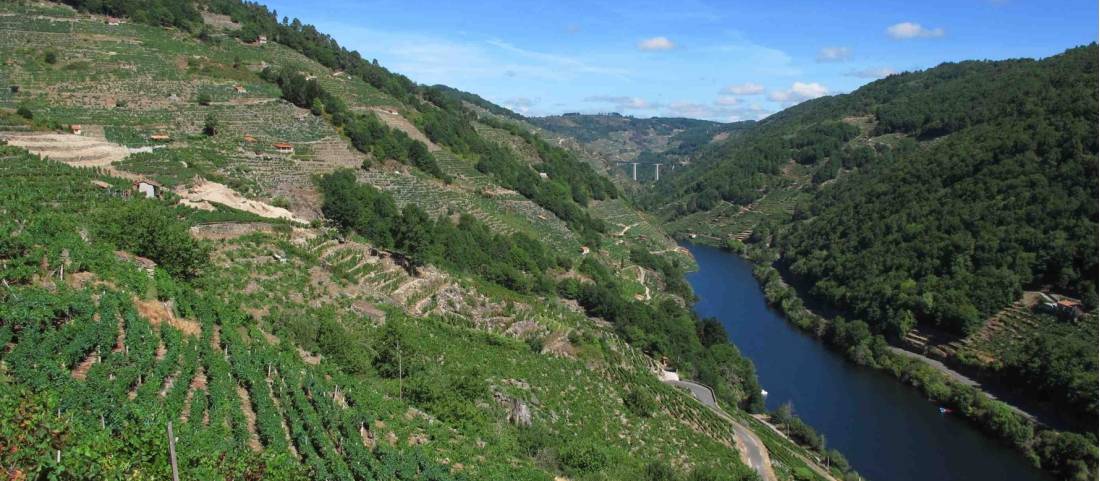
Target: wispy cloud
pixel 834 54
pixel 747 88
pixel 872 72
pixel 907 30
pixel 727 100
pixel 573 64
pixel 799 92
pixel 717 111
pixel 656 44
pixel 522 105
pixel 621 102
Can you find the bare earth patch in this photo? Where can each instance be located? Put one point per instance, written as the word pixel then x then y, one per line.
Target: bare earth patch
pixel 204 194
pixel 158 313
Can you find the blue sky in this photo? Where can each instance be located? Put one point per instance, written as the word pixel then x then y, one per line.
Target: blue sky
pixel 718 60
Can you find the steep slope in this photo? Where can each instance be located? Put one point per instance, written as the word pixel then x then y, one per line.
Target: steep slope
pixel 920 208
pixel 460 316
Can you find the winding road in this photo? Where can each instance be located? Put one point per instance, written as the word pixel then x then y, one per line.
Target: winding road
pixel 752 449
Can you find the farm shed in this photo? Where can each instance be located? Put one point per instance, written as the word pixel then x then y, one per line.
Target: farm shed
pixel 147 188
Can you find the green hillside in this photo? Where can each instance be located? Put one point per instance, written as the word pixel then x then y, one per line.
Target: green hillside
pixel 929 209
pixel 341 274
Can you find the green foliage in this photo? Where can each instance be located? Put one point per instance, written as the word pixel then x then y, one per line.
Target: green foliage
pixel 640 402
pixel 210 125
pixel 25 112
pixel 153 12
pixel 1059 366
pixel 579 457
pixel 50 57
pixel 517 262
pixel 149 229
pixel 367 133
pixel 669 329
pixel 204 99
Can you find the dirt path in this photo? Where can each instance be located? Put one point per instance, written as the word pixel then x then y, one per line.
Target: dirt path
pixel 250 419
pixel 628 227
pixel 197 383
pixel 753 452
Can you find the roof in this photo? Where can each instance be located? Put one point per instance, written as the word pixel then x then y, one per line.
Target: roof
pixel 159 136
pixel 1069 303
pixel 74 126
pixel 283 145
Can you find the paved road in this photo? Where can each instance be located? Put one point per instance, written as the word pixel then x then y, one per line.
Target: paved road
pixel 752 449
pixel 959 378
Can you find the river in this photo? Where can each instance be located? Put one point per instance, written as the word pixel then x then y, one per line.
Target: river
pixel 888 431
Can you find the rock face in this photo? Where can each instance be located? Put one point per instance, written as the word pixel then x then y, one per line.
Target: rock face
pixel 519 414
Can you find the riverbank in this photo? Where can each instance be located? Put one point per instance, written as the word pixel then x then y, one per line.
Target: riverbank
pixel 1065 454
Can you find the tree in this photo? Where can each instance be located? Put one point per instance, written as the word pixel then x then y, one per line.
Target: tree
pixel 149 229
pixel 51 57
pixel 413 234
pixel 25 112
pixel 210 126
pixel 204 99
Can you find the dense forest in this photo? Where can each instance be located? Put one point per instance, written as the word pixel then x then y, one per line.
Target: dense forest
pixel 959 187
pixel 951 231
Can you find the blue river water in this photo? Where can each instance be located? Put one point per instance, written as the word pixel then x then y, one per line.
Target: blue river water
pixel 888 431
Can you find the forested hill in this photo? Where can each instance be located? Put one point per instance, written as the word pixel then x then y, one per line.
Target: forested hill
pixel 931 200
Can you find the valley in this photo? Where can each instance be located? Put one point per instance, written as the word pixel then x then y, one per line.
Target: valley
pixel 227 225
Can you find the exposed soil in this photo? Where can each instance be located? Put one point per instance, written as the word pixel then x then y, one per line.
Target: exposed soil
pixel 398 122
pixel 250 419
pixel 158 313
pixel 204 194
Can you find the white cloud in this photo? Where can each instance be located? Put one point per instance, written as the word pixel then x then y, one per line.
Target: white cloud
pixel 873 72
pixel 656 43
pixel 718 111
pixel 799 91
pixel 727 100
pixel 747 88
pixel 622 102
pixel 520 105
pixel 906 30
pixel 834 54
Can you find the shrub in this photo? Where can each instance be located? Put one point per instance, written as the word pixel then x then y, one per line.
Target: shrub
pixel 24 112
pixel 204 99
pixel 640 403
pixel 658 471
pixel 51 57
pixel 581 457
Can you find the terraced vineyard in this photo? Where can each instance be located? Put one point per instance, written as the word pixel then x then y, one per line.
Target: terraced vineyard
pixel 503 211
pixel 731 221
pixel 275 345
pixel 1002 333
